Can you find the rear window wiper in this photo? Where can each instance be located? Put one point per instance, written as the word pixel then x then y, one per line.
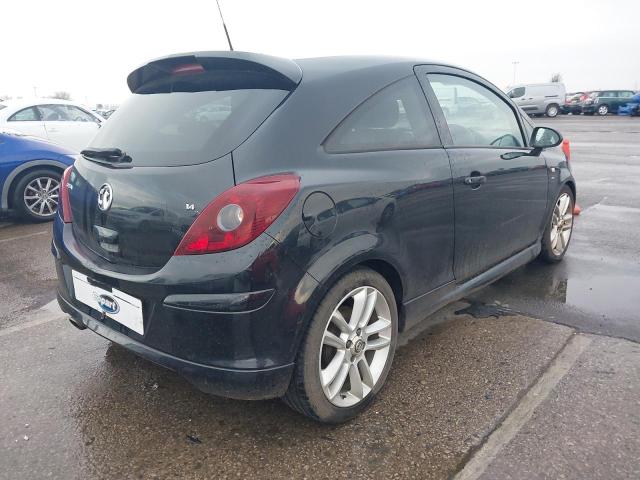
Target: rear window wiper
pixel 113 157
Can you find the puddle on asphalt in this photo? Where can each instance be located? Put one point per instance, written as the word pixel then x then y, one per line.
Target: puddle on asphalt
pixel 607 295
pixel 590 290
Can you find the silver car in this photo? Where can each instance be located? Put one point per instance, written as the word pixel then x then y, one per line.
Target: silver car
pixel 539 98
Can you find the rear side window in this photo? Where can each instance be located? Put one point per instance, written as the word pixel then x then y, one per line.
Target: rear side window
pixel 395 118
pixel 25 115
pixel 191 119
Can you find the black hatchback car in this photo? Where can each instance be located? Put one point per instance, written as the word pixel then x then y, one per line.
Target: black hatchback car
pixel 268 227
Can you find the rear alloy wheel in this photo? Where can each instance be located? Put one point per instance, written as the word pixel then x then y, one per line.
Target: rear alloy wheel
pixel 558 233
pixel 552 111
pixel 348 351
pixel 603 110
pixel 36 195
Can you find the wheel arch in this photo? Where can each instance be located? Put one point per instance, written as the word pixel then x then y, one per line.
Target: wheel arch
pixel 572 185
pixel 19 172
pixel 373 260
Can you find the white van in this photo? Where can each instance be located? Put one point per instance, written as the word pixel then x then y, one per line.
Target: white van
pixel 539 98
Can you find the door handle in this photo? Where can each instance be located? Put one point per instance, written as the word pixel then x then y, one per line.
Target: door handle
pixel 475 181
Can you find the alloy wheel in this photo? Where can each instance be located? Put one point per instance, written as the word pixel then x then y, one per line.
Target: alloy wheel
pixel 41 196
pixel 355 346
pixel 561 224
pixel 603 110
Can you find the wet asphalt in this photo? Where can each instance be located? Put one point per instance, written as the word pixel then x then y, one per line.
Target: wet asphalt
pixel 73 405
pixel 596 288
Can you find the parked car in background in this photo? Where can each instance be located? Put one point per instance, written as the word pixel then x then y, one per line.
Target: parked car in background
pixel 61 121
pixel 539 98
pixel 572 103
pixel 606 101
pixel 30 172
pixel 290 240
pixel 632 107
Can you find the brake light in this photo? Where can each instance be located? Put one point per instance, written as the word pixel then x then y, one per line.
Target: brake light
pixel 67 216
pixel 188 69
pixel 566 149
pixel 239 215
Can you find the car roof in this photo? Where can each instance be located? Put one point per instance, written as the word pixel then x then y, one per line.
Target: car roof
pixel 303 69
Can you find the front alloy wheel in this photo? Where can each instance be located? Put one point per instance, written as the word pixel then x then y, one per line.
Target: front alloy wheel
pixel 603 110
pixel 557 235
pixel 36 195
pixel 347 353
pixel 561 224
pixel 41 196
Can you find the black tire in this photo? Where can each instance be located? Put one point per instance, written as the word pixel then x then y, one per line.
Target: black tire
pixel 552 110
pixel 305 393
pixel 18 202
pixel 547 253
pixel 605 110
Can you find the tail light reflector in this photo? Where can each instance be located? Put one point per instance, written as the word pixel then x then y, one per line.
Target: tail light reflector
pixel 67 216
pixel 239 215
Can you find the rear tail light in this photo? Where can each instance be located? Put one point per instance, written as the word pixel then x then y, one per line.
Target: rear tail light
pixel 67 217
pixel 566 149
pixel 239 215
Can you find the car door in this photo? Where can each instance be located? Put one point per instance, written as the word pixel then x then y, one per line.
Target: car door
pixel 69 125
pixel 500 192
pixel 394 171
pixel 27 121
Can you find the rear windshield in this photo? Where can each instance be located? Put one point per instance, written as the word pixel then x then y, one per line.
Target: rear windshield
pixel 187 127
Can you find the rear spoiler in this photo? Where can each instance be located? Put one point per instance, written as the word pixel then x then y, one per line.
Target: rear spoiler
pixel 287 71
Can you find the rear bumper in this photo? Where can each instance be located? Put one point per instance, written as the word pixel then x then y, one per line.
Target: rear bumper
pixel 230 323
pixel 571 108
pixel 233 383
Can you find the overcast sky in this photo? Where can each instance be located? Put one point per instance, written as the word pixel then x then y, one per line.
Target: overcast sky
pixel 88 47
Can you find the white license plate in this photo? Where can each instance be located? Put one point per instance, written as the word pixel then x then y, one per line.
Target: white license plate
pixel 115 304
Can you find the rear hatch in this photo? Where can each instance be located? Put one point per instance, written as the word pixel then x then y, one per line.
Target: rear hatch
pixel 165 153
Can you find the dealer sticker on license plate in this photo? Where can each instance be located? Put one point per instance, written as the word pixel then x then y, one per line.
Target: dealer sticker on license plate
pixel 115 304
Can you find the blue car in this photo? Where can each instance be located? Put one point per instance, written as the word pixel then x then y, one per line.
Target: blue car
pixel 30 172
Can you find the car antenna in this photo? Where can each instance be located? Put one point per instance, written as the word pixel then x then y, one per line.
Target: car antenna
pixel 225 26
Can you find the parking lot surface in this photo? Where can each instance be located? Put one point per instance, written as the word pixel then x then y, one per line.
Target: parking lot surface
pixel 547 388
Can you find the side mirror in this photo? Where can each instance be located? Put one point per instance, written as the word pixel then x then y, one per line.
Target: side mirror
pixel 545 137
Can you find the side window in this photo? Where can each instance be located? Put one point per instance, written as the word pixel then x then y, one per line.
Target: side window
pixel 626 94
pixel 54 113
pixel 475 115
pixel 394 118
pixel 78 115
pixel 25 115
pixel 516 92
pixel 608 94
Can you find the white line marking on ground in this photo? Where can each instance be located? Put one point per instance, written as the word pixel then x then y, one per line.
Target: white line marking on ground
pixel 19 237
pixel 51 311
pixel 525 408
